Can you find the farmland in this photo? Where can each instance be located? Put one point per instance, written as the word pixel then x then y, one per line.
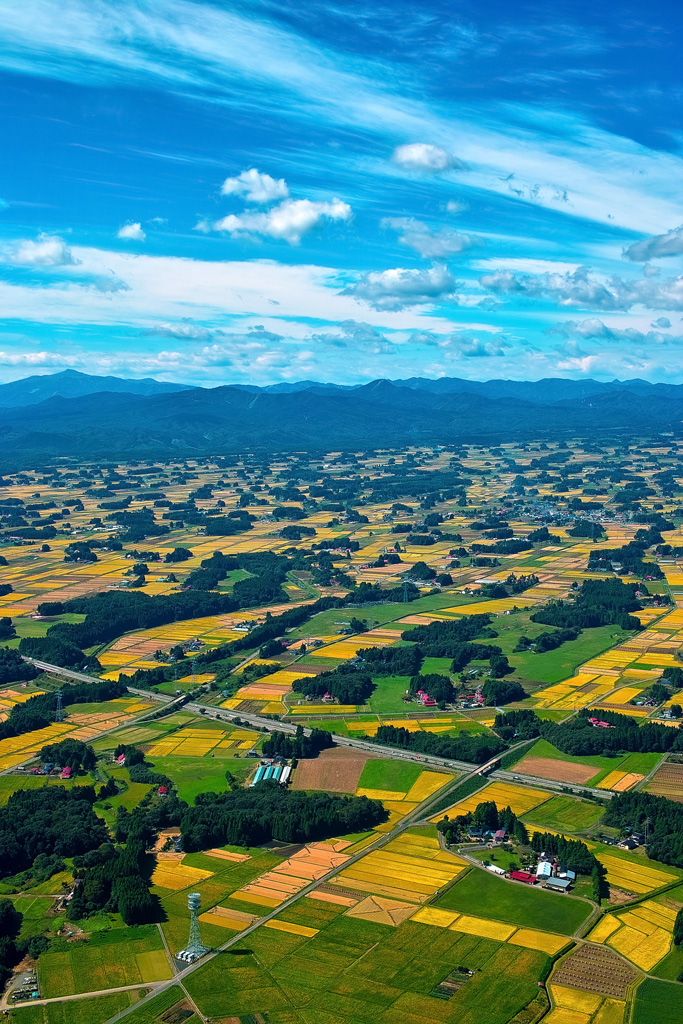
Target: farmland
pixel 365 925
pixel 486 895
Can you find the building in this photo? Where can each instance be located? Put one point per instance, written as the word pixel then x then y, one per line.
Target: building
pixel 558 884
pixel 66 773
pixel 544 869
pixel 523 876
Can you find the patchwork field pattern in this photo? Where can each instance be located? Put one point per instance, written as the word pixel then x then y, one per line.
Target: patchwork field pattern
pixel 642 934
pixel 411 868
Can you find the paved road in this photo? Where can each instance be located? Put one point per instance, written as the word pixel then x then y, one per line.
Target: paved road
pixel 398 753
pixel 420 812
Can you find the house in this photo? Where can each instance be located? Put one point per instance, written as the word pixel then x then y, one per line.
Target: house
pixel 544 869
pixel 628 844
pixel 162 791
pixel 496 870
pixel 499 835
pixel 66 773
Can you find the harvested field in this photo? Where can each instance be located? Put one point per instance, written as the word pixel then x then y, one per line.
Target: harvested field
pixel 595 969
pixel 558 771
pixel 337 770
pixel 382 910
pixel 668 782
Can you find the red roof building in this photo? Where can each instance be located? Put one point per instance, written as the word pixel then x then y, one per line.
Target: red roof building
pixel 523 876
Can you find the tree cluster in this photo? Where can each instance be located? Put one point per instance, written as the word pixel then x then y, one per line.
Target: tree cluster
pixel 267 811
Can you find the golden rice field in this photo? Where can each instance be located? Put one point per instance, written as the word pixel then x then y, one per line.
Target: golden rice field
pixel 485 928
pixel 170 873
pixel 519 799
pixel 198 742
pixel 642 934
pixel 577 1006
pixel 411 868
pixel 638 878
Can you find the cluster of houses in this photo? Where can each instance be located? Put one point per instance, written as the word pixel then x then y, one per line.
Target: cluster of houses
pixel 50 769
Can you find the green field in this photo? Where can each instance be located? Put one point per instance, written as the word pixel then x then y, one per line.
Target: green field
pixel 152 1010
pixel 566 813
pixel 128 956
pixel 358 971
pixel 91 1010
pixel 11 783
pixel 193 775
pixel 485 895
pixel 552 666
pixel 656 1002
pixel 542 748
pixel 380 773
pixel 388 695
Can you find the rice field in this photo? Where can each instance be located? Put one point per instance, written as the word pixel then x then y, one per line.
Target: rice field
pixel 520 799
pixel 642 934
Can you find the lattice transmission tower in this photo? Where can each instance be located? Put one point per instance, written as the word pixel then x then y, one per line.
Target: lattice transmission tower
pixel 195 947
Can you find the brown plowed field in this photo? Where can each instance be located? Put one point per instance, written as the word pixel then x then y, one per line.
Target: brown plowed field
pixel 334 771
pixel 559 771
pixel 668 782
pixel 596 969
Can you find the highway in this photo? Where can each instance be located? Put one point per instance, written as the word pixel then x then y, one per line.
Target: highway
pixel 444 763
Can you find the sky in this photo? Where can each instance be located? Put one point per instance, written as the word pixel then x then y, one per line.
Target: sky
pixel 258 191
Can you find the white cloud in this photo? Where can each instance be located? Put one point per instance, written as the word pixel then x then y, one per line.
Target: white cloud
pixel 455 207
pixel 357 335
pixel 31 359
pixel 583 289
pixel 182 329
pixel 429 243
pixel 395 289
pixel 594 329
pixel 669 244
pixel 243 61
pixel 44 251
pixel 256 187
pixel 132 232
pixel 289 221
pixel 213 293
pixel 424 158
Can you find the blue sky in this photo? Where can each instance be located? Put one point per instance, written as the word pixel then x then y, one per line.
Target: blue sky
pixel 218 192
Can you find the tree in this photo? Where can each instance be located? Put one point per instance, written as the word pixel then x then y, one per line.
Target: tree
pixel 520 833
pixel 358 625
pixel 678 928
pixel 7 630
pixel 69 753
pixel 178 555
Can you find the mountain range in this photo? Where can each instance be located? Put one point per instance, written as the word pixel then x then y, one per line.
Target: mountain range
pixel 73 414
